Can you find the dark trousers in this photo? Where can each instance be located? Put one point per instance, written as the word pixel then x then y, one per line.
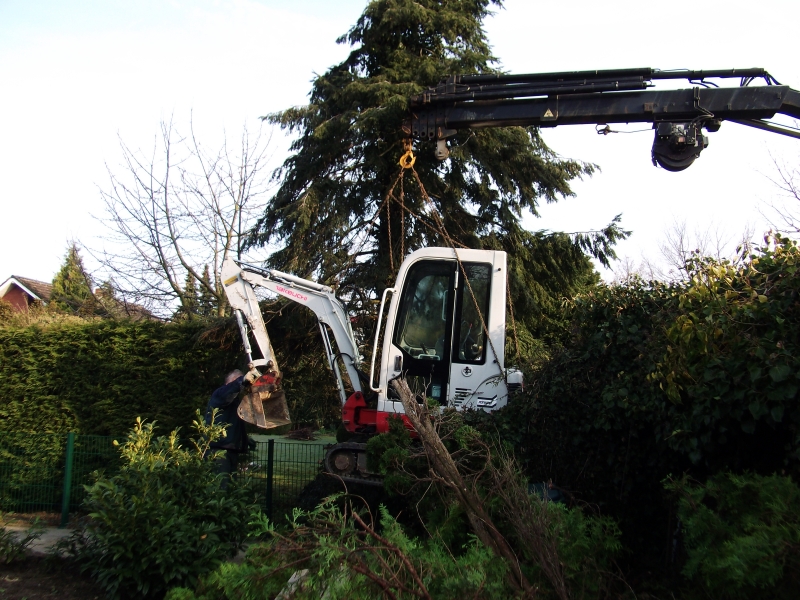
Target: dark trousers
pixel 227 464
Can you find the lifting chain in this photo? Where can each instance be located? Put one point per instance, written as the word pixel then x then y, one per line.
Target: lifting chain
pixel 407 161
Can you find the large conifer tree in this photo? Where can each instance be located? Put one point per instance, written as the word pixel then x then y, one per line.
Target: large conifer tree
pixel 329 214
pixel 206 302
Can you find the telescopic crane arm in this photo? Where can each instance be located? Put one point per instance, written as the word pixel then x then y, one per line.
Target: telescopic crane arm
pixel 602 97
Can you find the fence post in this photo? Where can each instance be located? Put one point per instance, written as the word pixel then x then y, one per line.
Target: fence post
pixel 270 460
pixel 69 455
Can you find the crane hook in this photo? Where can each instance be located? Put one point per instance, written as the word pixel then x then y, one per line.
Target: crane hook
pixel 408 159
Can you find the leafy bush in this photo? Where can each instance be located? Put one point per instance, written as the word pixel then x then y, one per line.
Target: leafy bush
pixel 732 366
pixel 163 520
pixel 742 535
pixel 657 378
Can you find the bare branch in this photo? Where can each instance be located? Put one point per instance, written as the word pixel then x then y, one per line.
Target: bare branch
pixel 783 214
pixel 443 469
pixel 181 208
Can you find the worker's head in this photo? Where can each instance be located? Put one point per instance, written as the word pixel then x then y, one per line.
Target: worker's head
pixel 233 375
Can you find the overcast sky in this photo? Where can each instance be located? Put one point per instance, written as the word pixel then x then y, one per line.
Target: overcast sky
pixel 75 75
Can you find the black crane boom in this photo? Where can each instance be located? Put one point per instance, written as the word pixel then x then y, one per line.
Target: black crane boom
pixel 601 97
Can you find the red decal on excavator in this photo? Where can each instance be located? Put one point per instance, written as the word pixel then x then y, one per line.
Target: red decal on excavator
pixel 291 293
pixel 265 379
pixel 356 416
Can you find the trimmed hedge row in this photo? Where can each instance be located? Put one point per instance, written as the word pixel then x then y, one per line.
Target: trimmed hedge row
pixel 96 377
pixel 654 379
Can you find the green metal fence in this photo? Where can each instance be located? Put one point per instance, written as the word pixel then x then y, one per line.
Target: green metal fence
pixel 280 470
pixel 47 472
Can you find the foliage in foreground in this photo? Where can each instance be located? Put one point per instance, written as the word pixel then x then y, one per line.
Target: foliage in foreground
pixel 342 555
pixel 163 520
pixel 742 535
pixel 337 552
pixel 12 544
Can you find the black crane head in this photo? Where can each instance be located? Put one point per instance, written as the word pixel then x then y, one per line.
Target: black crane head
pixel 677 145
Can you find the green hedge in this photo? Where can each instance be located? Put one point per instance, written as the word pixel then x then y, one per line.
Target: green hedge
pixel 742 536
pixel 656 379
pixel 96 377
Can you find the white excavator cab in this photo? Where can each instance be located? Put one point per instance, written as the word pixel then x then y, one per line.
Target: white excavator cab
pixel 445 330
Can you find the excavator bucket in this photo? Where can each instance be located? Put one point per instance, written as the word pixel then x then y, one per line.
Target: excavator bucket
pixel 265 405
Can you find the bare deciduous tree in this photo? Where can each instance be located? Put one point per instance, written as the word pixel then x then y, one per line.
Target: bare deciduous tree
pixel 177 209
pixel 784 212
pixel 678 245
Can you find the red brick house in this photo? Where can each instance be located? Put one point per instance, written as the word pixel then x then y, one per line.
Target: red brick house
pixel 21 292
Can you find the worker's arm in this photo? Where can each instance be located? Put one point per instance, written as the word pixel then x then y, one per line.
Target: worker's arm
pixel 224 396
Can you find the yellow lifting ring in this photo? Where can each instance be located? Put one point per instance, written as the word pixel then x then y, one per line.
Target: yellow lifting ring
pixel 407 160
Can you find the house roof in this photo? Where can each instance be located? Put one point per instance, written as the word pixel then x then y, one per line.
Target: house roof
pixel 39 290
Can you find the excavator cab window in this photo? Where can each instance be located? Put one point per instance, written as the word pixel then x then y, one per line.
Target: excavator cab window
pixel 424 325
pixel 471 313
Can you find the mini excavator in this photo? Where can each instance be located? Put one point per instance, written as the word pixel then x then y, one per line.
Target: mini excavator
pixel 445 317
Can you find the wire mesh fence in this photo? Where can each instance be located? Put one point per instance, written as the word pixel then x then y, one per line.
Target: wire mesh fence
pixel 47 472
pixel 281 470
pixel 31 472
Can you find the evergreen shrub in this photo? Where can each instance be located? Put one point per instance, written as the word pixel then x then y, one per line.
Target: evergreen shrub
pixel 164 519
pixel 97 376
pixel 742 535
pixel 560 549
pixel 327 553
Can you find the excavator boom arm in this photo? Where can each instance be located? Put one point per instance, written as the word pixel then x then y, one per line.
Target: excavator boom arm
pixel 240 282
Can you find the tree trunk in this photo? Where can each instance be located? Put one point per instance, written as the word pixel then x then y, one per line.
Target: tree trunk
pixel 444 469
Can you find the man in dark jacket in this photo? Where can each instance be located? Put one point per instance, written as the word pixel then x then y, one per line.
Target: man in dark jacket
pixel 226 399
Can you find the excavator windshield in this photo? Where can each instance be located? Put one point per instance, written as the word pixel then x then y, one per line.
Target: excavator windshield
pixel 424 311
pixel 424 325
